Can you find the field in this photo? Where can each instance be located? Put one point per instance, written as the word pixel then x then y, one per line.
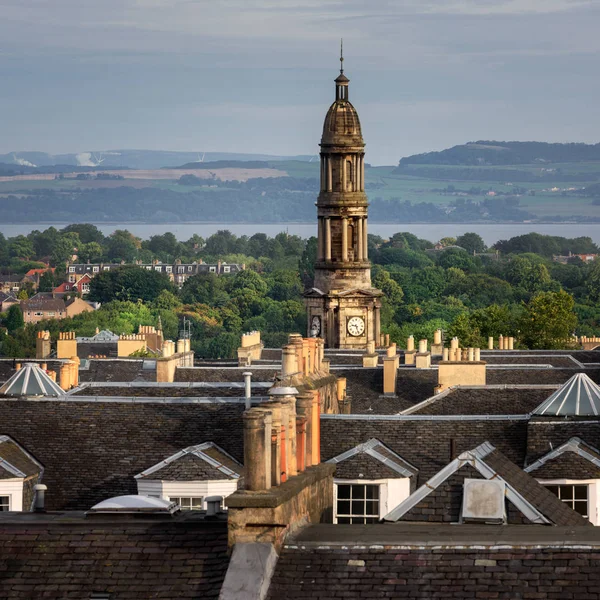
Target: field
pixel 545 196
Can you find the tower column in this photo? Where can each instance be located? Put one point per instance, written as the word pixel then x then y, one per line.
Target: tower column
pixel 329 174
pixel 376 325
pixel 344 239
pixel 365 255
pixel 356 173
pixel 344 174
pixel 359 239
pixel 328 239
pixel 362 173
pixel 320 239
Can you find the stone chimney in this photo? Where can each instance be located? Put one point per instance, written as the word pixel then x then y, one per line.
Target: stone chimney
pixel 423 357
pixel 437 347
pixel 42 344
pixel 66 345
pixel 410 352
pixel 285 486
pixel 371 358
pixel 466 372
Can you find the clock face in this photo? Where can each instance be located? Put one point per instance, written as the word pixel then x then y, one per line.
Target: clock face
pixel 315 326
pixel 356 326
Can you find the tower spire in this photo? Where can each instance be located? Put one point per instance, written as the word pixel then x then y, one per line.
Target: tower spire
pixel 341 56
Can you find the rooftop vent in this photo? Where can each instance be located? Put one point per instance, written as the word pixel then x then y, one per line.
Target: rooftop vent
pixel 31 380
pixel 134 504
pixel 483 501
pixel 579 396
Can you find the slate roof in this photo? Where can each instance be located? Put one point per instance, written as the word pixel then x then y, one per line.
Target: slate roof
pixel 471 401
pixel 71 556
pixel 526 376
pixel 580 396
pixel 537 503
pixel 365 389
pixel 15 461
pixel 425 443
pixel 110 442
pixel 116 370
pixel 203 462
pixel 181 391
pixel 373 460
pixel 43 303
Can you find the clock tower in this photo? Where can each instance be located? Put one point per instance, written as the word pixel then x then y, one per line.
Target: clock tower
pixel 342 307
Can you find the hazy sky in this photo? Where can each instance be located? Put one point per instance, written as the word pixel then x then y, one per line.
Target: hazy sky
pixel 257 75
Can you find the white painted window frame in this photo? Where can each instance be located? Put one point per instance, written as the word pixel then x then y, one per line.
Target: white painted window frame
pixel 186 489
pixel 593 494
pixel 13 488
pixel 391 492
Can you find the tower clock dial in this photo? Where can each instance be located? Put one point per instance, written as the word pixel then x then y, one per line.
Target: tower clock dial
pixel 356 326
pixel 315 326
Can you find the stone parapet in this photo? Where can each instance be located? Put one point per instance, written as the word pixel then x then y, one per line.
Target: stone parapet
pixel 268 516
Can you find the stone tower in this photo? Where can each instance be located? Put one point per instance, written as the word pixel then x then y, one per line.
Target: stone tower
pixel 342 307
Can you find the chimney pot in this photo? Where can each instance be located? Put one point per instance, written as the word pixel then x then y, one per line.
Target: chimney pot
pixel 40 497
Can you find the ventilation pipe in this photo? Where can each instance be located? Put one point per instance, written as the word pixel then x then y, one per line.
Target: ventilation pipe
pixel 40 497
pixel 213 505
pixel 248 388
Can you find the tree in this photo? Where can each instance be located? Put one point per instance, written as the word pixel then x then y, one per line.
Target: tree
pixel 523 272
pixel 129 283
pixel 249 280
pixel 14 319
pixel 593 282
pixel 123 246
pixel 90 252
pixel 47 282
pixel 284 284
pixel 86 231
pixel 549 320
pixel 306 265
pixel 466 330
pixel 448 241
pixel 471 242
pixel 20 247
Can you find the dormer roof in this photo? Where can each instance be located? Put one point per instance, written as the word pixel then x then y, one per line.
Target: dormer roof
pixel 204 462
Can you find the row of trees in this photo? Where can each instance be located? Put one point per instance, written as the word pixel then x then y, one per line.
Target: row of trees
pixel 466 289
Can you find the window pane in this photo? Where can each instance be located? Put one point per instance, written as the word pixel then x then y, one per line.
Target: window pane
pixel 566 492
pixel 371 521
pixel 358 492
pixel 372 507
pixel 372 492
pixel 344 520
pixel 580 506
pixel 358 507
pixel 197 503
pixel 553 489
pixel 581 492
pixel 4 503
pixel 343 507
pixel 358 520
pixel 343 492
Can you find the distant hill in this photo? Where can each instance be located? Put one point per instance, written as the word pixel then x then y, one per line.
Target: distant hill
pixel 134 159
pixel 492 153
pixel 226 164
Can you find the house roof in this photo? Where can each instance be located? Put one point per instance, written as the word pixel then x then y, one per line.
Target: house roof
pixel 31 380
pixel 372 459
pixel 532 499
pixel 4 297
pixel 92 450
pixel 580 396
pixel 15 461
pixel 43 303
pixel 497 400
pixel 126 556
pixel 203 462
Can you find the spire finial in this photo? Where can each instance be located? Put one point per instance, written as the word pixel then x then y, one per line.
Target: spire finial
pixel 341 55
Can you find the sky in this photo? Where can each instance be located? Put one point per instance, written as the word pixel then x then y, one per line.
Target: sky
pixel 257 75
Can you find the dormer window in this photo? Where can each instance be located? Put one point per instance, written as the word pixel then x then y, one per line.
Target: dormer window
pixel 4 503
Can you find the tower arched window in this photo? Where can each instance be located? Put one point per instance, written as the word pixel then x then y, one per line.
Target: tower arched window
pixel 349 175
